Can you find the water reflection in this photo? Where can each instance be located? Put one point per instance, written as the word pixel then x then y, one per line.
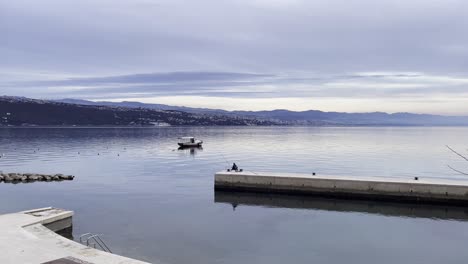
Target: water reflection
pixel 239 199
pixel 190 150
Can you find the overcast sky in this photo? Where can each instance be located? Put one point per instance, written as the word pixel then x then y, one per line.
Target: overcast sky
pixel 332 55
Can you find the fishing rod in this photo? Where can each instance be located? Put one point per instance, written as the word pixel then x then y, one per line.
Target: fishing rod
pixel 227 162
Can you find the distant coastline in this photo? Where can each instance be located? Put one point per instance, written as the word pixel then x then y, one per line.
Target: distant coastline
pixel 25 112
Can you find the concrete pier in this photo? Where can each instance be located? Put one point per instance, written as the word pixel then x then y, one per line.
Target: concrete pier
pixel 28 237
pixel 421 190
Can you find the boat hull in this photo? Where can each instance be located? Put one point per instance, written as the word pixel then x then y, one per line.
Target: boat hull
pixel 188 145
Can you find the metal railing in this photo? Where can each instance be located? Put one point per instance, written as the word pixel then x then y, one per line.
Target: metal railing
pixel 94 240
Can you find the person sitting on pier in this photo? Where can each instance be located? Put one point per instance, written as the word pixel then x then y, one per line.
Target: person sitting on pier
pixel 234 167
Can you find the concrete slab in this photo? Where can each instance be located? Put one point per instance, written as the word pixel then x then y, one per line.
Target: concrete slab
pixel 24 239
pixel 424 190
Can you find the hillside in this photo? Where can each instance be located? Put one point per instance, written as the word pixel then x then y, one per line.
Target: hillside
pixel 311 117
pixel 15 111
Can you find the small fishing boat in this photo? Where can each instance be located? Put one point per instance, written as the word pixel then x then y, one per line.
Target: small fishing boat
pixel 185 142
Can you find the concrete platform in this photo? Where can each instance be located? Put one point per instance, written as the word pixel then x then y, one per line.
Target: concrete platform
pixel 423 190
pixel 24 238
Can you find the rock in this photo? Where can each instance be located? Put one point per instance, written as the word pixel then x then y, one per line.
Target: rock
pixel 2 178
pixel 33 178
pixel 8 179
pixel 47 178
pixel 67 177
pixel 23 178
pixel 55 178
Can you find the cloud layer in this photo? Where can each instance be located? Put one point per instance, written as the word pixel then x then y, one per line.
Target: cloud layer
pixel 363 55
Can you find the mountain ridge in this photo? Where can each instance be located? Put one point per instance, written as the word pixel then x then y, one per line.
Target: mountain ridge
pixel 311 117
pixel 21 111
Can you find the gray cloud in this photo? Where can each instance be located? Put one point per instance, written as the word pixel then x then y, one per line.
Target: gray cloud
pixel 255 48
pixel 155 78
pixel 256 36
pixel 230 84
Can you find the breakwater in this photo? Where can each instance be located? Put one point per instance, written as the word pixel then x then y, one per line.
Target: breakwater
pixel 32 177
pixel 420 190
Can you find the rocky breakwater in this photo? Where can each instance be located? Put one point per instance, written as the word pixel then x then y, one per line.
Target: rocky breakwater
pixel 32 177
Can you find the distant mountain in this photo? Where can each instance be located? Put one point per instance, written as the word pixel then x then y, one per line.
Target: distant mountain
pixel 143 105
pixel 20 111
pixel 311 117
pixel 360 119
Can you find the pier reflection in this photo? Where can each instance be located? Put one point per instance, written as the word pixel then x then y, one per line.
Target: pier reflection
pixel 239 199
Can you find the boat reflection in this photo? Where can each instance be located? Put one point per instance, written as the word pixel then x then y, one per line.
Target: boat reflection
pixel 239 199
pixel 190 150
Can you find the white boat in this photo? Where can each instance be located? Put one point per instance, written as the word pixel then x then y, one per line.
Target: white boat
pixel 189 142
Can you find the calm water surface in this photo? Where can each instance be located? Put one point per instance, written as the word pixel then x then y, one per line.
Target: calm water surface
pixel 156 203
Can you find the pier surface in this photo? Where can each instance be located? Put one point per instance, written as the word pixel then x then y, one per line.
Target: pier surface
pixel 26 239
pixel 424 190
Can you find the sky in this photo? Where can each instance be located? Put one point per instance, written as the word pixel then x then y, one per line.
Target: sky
pixel 330 55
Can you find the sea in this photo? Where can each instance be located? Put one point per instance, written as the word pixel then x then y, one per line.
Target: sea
pixel 154 202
